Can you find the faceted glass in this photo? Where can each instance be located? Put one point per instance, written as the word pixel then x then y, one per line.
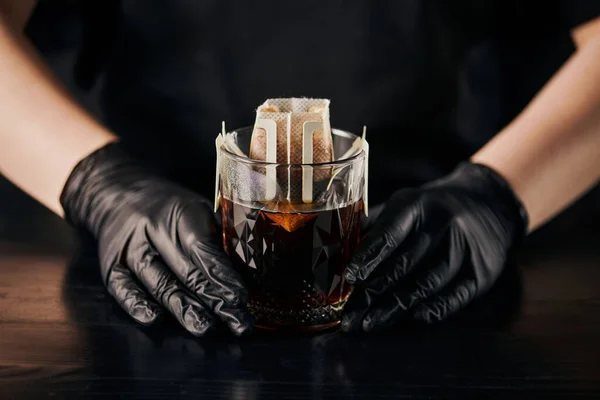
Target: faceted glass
pixel 291 253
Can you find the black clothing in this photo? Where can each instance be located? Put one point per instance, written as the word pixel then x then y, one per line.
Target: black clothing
pixel 432 80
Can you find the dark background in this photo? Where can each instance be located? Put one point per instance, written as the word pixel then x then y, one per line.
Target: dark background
pixel 56 29
pixel 61 336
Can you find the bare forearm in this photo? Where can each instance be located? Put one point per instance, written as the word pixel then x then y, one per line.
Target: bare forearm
pixel 550 153
pixel 43 133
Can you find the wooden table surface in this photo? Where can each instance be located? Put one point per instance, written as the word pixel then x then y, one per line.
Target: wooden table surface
pixel 61 336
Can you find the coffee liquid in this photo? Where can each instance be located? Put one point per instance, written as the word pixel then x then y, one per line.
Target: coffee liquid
pixel 292 262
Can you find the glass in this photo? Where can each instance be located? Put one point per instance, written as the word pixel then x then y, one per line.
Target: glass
pixel 292 253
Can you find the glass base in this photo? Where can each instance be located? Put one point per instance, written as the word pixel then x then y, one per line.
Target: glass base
pixel 300 329
pixel 299 320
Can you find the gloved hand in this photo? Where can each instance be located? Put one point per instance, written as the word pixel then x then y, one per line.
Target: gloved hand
pixel 158 244
pixel 434 249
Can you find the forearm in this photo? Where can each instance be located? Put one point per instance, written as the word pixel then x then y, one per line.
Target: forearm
pixel 43 132
pixel 550 153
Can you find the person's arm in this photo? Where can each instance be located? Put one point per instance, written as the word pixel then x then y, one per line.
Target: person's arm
pixel 157 242
pixel 43 132
pixel 550 154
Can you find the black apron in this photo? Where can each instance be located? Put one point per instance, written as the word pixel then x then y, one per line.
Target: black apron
pixel 429 78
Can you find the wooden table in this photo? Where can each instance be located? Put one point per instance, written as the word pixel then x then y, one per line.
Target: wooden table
pixel 62 336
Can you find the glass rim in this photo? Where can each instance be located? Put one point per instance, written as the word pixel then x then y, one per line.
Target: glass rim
pixel 340 132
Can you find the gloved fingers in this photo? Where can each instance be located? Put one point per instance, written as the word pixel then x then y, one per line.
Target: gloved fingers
pixel 367 222
pixel 393 227
pixel 356 308
pixel 170 292
pixel 206 271
pixel 226 303
pixel 408 255
pixel 237 319
pixel 122 286
pixel 200 254
pixel 442 306
pixel 212 262
pixel 395 305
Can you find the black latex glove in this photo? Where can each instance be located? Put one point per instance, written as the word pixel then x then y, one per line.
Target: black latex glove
pixel 158 244
pixel 434 249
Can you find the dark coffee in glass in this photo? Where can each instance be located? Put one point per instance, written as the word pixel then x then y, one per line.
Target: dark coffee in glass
pixel 292 255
